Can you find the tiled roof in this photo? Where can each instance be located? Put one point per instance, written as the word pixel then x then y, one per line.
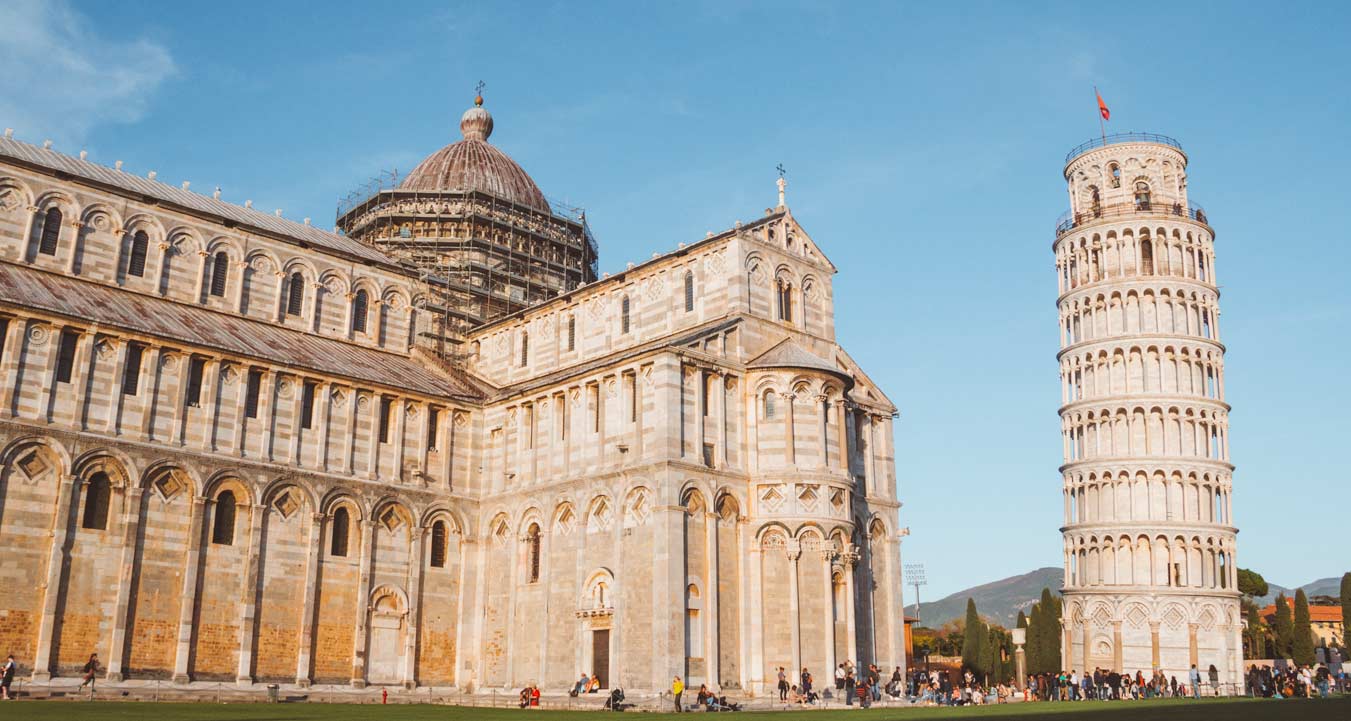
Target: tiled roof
pixel 788 354
pixel 205 204
pixel 1323 614
pixel 87 301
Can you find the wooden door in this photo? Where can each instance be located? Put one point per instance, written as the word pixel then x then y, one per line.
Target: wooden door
pixel 600 653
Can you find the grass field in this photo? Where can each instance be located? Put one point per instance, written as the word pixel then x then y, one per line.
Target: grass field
pixel 1170 710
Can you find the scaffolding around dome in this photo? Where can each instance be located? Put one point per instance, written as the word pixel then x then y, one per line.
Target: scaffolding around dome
pixel 480 257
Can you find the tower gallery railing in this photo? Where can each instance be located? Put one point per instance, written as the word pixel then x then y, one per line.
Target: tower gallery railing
pixel 1119 138
pixel 1069 220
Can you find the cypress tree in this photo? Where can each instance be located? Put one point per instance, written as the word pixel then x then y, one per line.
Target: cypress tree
pixel 1051 631
pixel 1301 642
pixel 1256 637
pixel 971 638
pixel 992 656
pixel 1346 610
pixel 1282 628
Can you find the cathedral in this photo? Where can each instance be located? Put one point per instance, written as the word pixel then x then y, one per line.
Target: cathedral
pixel 432 448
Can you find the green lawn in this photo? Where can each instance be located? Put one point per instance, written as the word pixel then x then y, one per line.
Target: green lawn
pixel 1207 710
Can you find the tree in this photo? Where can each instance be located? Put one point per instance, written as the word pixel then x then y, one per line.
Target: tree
pixel 993 657
pixel 1022 618
pixel 1256 634
pixel 1051 639
pixel 1301 642
pixel 973 639
pixel 1282 628
pixel 1346 610
pixel 1251 583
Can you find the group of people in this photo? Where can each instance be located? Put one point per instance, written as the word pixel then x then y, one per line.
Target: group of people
pixel 1294 681
pixel 1110 685
pixel 705 700
pixel 585 684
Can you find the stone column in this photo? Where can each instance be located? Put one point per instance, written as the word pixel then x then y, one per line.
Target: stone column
pixel 237 290
pixel 323 401
pixel 363 604
pixel 149 390
pixel 297 408
pixel 794 613
pixel 252 581
pixel 81 375
pixel 51 587
pixel 398 410
pixel 164 250
pixel 278 305
pixel 212 381
pixel 1118 654
pixel 1068 653
pixel 1154 644
pixel 789 447
pixel 311 596
pixel 712 647
pixel 15 334
pixel 1193 653
pixel 188 597
pixel 416 532
pixel 755 604
pixel 201 275
pixel 267 392
pixel 131 521
pixel 726 383
pixel 828 617
pixel 48 377
pixel 115 394
pixel 349 440
pixel 851 643
pixel 377 404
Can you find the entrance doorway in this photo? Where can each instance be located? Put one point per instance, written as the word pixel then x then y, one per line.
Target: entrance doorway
pixel 600 656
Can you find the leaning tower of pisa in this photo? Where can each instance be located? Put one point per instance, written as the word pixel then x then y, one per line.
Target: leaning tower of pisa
pixel 1150 579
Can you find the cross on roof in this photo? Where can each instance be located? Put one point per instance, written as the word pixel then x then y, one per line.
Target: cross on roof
pixel 478 89
pixel 781 170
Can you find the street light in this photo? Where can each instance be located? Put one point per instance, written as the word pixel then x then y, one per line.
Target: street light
pixel 914 576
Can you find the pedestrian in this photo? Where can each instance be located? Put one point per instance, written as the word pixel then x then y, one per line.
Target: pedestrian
pixel 849 686
pixel 7 677
pixel 839 677
pixel 90 668
pixel 677 688
pixel 783 685
pixel 1194 678
pixel 1214 674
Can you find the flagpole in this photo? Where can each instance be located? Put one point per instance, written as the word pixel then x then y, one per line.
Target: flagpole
pixel 1102 126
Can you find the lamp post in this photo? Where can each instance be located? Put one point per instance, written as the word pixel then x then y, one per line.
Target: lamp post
pixel 1020 638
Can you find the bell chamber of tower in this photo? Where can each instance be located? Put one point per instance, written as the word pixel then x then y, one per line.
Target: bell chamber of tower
pixel 1149 541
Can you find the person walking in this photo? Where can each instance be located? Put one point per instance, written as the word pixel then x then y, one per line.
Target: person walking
pixel 7 677
pixel 90 669
pixel 1214 674
pixel 677 688
pixel 1194 678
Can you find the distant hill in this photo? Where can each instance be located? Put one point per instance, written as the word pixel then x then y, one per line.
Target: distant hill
pixel 1322 587
pixel 999 601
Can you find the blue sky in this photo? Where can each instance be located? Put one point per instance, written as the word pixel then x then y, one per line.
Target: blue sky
pixel 924 147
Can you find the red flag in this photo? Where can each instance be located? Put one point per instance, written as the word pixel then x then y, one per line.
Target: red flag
pixel 1102 107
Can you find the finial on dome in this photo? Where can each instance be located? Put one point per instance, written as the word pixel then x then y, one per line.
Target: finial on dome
pixel 781 183
pixel 476 123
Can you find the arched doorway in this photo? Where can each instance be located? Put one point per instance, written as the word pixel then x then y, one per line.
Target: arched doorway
pixel 388 626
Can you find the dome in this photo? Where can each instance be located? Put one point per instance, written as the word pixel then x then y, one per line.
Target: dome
pixel 474 164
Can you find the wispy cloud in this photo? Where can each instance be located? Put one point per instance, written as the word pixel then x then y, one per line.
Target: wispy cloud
pixel 62 78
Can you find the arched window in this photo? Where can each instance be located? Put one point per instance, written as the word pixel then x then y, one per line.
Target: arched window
pixel 439 544
pixel 361 303
pixel 769 404
pixel 223 524
pixel 295 300
pixel 1114 174
pixel 804 306
pixel 785 300
pixel 51 231
pixel 96 503
pixel 533 541
pixel 1201 268
pixel 342 522
pixel 1146 257
pixel 525 347
pixel 689 291
pixel 220 269
pixel 140 244
pixel 1141 195
pixel 572 332
pixel 624 315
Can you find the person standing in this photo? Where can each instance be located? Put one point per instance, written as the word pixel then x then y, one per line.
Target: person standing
pixel 839 677
pixel 677 688
pixel 7 677
pixel 849 686
pixel 1194 678
pixel 783 685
